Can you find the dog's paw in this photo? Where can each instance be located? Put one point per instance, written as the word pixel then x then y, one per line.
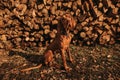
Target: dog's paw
pixel 72 61
pixel 68 69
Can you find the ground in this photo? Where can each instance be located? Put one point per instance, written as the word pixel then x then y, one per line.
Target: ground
pixel 91 63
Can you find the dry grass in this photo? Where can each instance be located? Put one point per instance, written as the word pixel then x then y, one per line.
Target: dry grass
pixel 91 63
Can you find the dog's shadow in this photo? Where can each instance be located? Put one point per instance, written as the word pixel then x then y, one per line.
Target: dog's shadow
pixel 33 58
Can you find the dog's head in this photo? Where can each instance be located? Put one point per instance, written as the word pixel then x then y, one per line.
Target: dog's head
pixel 66 23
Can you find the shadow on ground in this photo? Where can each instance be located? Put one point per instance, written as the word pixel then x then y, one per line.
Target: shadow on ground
pixel 91 63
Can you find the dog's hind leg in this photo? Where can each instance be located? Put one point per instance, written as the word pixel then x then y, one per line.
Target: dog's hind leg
pixel 48 55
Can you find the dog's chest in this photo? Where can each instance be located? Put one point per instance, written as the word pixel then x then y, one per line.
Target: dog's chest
pixel 65 41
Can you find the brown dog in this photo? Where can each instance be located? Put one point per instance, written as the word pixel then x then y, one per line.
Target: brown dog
pixel 62 40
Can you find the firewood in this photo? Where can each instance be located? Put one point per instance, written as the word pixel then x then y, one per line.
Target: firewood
pixel 104 38
pixel 112 41
pixel 110 4
pixel 74 6
pixel 69 4
pixel 54 22
pixel 92 10
pixel 24 1
pixel 28 23
pixel 105 4
pixel 89 33
pixel 46 31
pixel 107 26
pixel 41 32
pixel 79 27
pixel 26 33
pixel 95 36
pixel 115 10
pixel 20 10
pixel 113 27
pixel 86 6
pixel 59 5
pixel 3 38
pixel 85 28
pixel 75 31
pixel 90 18
pixel 1 23
pixel 52 34
pixel 79 3
pixel 2 45
pixel 77 12
pixel 82 34
pixel 45 12
pixel 41 38
pixel 81 18
pixel 88 43
pixel 99 31
pixel 118 4
pixel 100 5
pixel 33 44
pixel 2 32
pixel 115 21
pixel 40 6
pixel 118 29
pixel 18 39
pixel 53 9
pixel 32 39
pixel 101 18
pixel 83 23
pixel 27 39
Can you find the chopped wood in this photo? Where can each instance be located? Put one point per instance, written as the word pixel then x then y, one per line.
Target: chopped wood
pixel 26 23
pixel 83 34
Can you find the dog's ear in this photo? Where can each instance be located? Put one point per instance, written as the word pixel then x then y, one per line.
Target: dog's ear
pixel 63 22
pixel 67 22
pixel 71 21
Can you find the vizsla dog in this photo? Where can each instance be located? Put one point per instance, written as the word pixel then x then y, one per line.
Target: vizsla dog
pixel 62 41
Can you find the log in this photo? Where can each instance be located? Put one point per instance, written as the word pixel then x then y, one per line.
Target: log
pixel 30 23
pixel 104 38
pixel 112 41
pixel 52 34
pixel 83 34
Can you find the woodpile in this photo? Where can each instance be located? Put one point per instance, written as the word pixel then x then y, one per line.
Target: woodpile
pixel 33 23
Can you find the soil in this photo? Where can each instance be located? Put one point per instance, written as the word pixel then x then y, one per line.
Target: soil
pixel 90 63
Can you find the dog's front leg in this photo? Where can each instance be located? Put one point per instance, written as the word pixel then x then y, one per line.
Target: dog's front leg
pixel 64 60
pixel 69 55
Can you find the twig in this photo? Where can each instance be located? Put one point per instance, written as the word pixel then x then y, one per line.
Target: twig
pixel 20 50
pixel 31 68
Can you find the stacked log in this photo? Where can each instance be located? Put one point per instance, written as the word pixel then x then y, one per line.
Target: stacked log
pixel 33 23
pixel 102 22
